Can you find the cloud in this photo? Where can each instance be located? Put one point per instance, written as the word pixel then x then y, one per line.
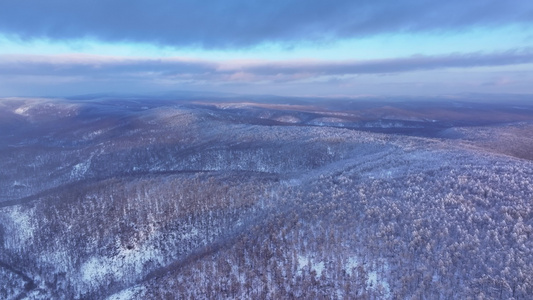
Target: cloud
pixel 242 23
pixel 98 66
pixel 396 65
pixel 113 68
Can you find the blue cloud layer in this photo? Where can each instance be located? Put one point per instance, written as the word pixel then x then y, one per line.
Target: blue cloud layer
pixel 112 67
pixel 241 23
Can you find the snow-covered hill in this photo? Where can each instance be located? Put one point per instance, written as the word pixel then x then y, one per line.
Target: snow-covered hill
pixel 137 199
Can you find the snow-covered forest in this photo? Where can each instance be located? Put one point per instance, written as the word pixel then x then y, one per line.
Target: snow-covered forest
pixel 132 199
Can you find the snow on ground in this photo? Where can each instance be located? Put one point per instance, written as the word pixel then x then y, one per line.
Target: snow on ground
pixel 288 119
pixel 22 110
pixel 127 264
pixel 351 264
pixel 80 169
pixel 29 107
pixel 374 279
pixel 305 261
pixel 18 226
pixel 136 292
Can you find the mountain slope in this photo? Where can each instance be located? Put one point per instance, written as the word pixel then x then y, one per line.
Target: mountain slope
pixel 146 199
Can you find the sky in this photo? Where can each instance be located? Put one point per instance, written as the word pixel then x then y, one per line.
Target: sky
pixel 290 47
